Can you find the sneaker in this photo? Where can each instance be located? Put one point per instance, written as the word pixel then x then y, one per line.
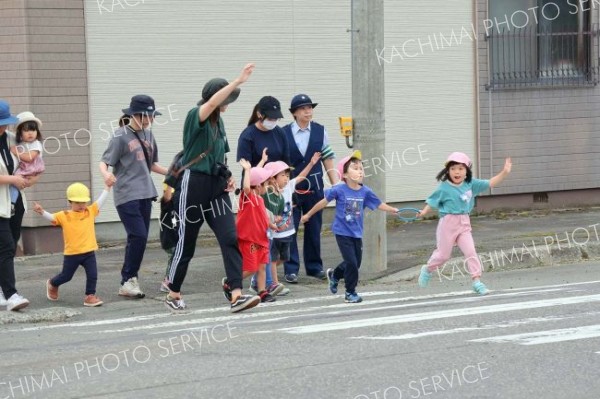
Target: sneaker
pixel 244 302
pixel 291 278
pixel 51 291
pixel 320 275
pixel 16 302
pixel 3 301
pixel 131 289
pixel 424 277
pixel 226 289
pixel 92 301
pixel 164 286
pixel 275 288
pixel 285 291
pixel 266 297
pixel 175 303
pixel 480 288
pixel 333 282
pixel 352 297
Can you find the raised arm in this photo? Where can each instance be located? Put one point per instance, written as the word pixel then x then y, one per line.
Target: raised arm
pixel 264 158
pixel 313 161
pixel 494 181
pixel 246 183
pixel 102 198
pixel 217 99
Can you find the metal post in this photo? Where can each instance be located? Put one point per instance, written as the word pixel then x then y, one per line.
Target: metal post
pixel 368 106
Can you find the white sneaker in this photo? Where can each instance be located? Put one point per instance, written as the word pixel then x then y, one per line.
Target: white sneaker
pixel 16 302
pixel 2 298
pixel 131 289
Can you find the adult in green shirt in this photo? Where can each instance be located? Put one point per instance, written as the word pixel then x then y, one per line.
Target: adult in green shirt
pixel 202 193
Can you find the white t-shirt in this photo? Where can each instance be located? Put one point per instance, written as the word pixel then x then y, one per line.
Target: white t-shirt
pixel 287 193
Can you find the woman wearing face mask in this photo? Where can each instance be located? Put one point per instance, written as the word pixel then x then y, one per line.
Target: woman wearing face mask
pixel 262 132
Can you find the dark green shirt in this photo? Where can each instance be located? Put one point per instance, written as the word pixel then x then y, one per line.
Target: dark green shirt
pixel 274 202
pixel 198 137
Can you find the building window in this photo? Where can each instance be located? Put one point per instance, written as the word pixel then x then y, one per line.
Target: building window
pixel 536 43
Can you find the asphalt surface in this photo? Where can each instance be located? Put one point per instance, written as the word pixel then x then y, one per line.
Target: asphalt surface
pixel 504 241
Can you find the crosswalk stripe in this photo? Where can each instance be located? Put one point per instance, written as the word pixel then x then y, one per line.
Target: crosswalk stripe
pixel 506 324
pixel 440 314
pixel 322 310
pixel 547 336
pixel 284 314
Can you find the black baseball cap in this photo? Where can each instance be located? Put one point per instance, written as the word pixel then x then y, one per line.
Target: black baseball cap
pixel 270 107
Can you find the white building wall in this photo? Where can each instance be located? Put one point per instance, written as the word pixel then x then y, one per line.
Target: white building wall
pixel 170 49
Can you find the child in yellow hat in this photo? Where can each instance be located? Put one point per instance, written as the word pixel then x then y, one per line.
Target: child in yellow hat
pixel 80 240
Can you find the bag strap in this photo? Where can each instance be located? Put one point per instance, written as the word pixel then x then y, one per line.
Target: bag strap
pixel 201 156
pixel 148 163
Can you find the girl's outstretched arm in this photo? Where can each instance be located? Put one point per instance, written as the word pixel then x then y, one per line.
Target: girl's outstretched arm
pixel 494 181
pixel 424 211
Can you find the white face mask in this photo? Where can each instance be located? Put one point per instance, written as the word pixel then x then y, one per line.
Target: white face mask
pixel 269 124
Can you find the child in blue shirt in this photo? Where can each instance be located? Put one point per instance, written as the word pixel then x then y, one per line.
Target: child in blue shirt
pixel 455 198
pixel 351 198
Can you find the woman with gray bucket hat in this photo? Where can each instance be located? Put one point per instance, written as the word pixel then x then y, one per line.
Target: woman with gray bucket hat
pixel 202 192
pixel 10 223
pixel 133 155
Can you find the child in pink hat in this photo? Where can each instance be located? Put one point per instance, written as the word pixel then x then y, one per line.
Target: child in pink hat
pixel 252 226
pixel 454 198
pixel 352 197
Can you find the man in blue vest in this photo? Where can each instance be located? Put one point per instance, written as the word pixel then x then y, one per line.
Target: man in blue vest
pixel 306 137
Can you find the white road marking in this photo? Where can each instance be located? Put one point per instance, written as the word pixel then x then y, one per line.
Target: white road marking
pixel 347 308
pixel 507 324
pixel 320 311
pixel 441 314
pixel 546 337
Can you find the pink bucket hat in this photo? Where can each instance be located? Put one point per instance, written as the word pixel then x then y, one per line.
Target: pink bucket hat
pixel 259 176
pixel 459 157
pixel 343 161
pixel 277 167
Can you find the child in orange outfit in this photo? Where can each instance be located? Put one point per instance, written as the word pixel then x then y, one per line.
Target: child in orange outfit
pixel 80 240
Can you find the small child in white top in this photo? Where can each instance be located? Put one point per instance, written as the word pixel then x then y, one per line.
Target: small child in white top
pixel 29 149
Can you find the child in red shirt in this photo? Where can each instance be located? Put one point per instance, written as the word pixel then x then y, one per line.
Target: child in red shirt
pixel 252 225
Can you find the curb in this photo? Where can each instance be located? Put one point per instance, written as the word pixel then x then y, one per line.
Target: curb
pixel 38 315
pixel 507 259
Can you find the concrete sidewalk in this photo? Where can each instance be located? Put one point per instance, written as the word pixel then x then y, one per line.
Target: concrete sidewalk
pixel 504 241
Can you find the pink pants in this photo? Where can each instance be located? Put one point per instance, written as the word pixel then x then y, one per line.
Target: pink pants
pixel 451 230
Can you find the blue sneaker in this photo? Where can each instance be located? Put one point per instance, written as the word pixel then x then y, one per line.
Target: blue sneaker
pixel 333 282
pixel 480 288
pixel 352 297
pixel 424 277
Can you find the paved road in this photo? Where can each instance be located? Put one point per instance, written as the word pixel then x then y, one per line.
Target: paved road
pixel 536 335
